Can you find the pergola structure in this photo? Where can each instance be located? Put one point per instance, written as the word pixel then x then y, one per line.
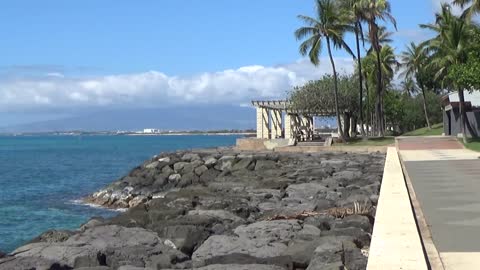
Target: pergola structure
pixel 276 119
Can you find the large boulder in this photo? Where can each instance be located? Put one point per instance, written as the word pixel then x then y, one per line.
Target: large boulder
pixel 200 170
pixel 360 237
pixel 305 192
pixel 93 222
pixel 137 201
pixel 152 165
pixel 107 268
pixel 104 245
pixel 221 249
pixel 348 175
pixel 244 164
pixel 22 263
pixel 354 258
pixel 209 175
pixel 301 251
pixel 188 179
pixel 185 238
pixel 189 157
pixel 241 267
pixel 53 236
pixel 270 231
pixel 222 215
pixel 265 165
pixel 334 163
pixel 183 167
pixel 356 221
pixel 329 253
pixel 210 161
pixel 225 163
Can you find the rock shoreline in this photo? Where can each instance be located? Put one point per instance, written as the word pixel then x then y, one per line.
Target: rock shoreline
pixel 222 209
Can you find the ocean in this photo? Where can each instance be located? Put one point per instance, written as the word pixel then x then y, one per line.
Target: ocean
pixel 43 177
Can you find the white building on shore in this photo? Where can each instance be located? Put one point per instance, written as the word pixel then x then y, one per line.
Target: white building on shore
pixel 151 130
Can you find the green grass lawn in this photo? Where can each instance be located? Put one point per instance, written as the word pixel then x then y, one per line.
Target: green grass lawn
pixel 473 144
pixel 437 129
pixel 370 142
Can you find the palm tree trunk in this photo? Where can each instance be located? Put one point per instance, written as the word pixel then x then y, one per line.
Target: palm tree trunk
pixel 346 125
pixel 379 110
pixel 354 130
pixel 463 114
pixel 335 89
pixel 368 105
pixel 360 77
pixel 425 105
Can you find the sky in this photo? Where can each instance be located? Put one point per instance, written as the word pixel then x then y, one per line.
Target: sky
pixel 61 58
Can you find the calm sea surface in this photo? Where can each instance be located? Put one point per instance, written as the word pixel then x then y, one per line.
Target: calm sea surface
pixel 41 177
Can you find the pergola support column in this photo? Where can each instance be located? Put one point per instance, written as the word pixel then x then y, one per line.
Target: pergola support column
pixel 263 131
pixel 289 131
pixel 276 124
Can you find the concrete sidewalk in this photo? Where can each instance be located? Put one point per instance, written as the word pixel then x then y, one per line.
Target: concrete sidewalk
pixel 395 242
pixel 446 182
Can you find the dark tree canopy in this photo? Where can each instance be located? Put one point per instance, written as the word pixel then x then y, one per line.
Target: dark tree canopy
pixel 317 96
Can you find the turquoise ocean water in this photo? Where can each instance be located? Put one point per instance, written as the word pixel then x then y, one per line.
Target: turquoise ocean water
pixel 42 176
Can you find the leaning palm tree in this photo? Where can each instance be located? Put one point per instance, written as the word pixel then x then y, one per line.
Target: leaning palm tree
pixel 375 10
pixel 449 48
pixel 354 11
pixel 413 61
pixel 472 9
pixel 329 25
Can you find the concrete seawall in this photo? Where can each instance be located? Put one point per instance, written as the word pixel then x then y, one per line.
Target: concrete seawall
pixel 396 241
pixel 281 146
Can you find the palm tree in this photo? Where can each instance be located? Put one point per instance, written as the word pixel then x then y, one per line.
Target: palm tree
pixel 369 67
pixel 388 67
pixel 409 86
pixel 375 10
pixel 354 9
pixel 474 7
pixel 449 48
pixel 328 26
pixel 413 60
pixel 389 64
pixel 384 37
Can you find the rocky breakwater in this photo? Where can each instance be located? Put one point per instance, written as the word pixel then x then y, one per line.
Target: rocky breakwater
pixel 214 210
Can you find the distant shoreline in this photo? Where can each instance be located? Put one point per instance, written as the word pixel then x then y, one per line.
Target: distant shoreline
pixel 186 134
pixel 128 134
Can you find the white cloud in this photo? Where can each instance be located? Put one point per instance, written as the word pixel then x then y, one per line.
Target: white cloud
pixel 413 35
pixel 156 89
pixel 55 74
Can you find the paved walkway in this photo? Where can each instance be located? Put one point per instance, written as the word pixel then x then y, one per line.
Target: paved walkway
pixel 446 182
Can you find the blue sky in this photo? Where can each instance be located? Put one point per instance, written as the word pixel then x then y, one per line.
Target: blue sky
pixel 59 57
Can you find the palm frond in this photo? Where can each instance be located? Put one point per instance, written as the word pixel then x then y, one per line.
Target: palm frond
pixel 306 45
pixel 315 52
pixel 305 31
pixel 308 20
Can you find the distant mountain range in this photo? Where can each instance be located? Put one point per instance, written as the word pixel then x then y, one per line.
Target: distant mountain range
pixel 174 118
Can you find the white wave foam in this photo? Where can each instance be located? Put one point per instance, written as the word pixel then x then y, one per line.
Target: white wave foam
pixel 92 205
